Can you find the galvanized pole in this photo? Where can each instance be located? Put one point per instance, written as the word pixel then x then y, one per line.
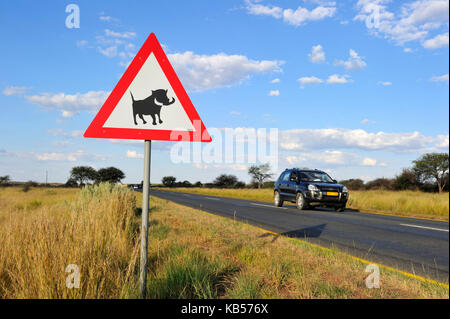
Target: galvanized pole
pixel 144 227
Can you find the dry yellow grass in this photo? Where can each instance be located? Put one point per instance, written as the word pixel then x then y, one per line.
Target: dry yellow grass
pixel 402 203
pixel 238 260
pixel 192 254
pixel 94 229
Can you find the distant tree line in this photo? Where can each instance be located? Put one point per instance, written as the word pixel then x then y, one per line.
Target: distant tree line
pixel 80 175
pixel 260 174
pixel 429 173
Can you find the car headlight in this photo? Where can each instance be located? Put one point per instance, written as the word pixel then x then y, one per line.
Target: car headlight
pixel 313 188
pixel 345 189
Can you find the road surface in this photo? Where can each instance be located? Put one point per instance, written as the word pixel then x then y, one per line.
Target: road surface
pixel 413 245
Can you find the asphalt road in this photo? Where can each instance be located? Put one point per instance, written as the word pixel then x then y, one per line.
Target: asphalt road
pixel 413 245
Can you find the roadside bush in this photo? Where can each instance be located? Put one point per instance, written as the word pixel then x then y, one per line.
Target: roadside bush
pixel 381 184
pixel 169 181
pixel 198 184
pixel 239 184
pixel 268 184
pixel 353 184
pixel 27 186
pixel 71 183
pixel 407 180
pixel 4 180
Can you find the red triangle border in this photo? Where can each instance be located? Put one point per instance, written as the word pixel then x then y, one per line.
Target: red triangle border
pixel 96 129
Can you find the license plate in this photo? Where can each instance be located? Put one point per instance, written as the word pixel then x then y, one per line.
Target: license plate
pixel 332 194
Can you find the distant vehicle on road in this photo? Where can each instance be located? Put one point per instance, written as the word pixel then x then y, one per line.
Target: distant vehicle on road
pixel 309 189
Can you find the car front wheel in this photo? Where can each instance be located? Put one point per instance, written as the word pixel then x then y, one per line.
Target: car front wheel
pixel 300 202
pixel 340 209
pixel 277 199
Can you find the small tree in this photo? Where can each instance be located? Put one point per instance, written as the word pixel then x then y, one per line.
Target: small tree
pixel 260 173
pixel 168 181
pixel 381 183
pixel 4 180
pixel 353 184
pixel 225 181
pixel 110 174
pixel 71 183
pixel 406 180
pixel 432 166
pixel 83 174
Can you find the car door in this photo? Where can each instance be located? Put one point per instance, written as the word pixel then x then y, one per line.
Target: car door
pixel 284 184
pixel 291 189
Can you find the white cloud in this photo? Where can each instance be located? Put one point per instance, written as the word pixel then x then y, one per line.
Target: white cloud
pixel 61 133
pixel 69 157
pixel 294 17
pixel 121 35
pixel 109 52
pixel 15 90
pixel 82 43
pixel 339 138
pixel 441 78
pixel 407 50
pixel 308 80
pixel 327 157
pixel 106 18
pixel 302 15
pixel 354 62
pixel 235 113
pixel 277 80
pixel 134 154
pixel 62 143
pixel 367 161
pixel 317 54
pixel 337 79
pixel 413 22
pixel 67 114
pixel 385 83
pixel 439 41
pixel 70 104
pixel 274 93
pixel 234 167
pixel 204 72
pixel 442 141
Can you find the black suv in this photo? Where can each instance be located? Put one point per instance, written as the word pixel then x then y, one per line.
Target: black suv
pixel 308 189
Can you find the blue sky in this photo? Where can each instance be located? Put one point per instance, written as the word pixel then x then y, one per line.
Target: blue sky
pixel 357 97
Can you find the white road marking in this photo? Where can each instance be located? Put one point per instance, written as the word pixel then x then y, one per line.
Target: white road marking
pixel 424 227
pixel 212 198
pixel 271 206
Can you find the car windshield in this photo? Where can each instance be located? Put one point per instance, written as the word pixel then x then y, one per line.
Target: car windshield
pixel 316 177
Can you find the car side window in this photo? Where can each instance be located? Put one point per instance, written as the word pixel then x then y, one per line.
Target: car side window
pixel 285 177
pixel 293 177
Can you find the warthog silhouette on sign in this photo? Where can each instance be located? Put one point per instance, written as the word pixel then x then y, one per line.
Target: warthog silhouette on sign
pixel 151 105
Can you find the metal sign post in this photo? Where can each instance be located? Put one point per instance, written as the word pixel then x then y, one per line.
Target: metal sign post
pixel 144 227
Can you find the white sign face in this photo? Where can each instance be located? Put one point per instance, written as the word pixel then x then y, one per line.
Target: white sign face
pixel 150 103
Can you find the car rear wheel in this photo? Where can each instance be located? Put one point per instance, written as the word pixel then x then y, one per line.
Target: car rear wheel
pixel 300 202
pixel 277 199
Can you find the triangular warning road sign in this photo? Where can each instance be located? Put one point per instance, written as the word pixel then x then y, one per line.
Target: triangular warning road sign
pixel 149 103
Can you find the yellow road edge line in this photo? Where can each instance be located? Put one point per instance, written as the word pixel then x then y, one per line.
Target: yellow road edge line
pixel 359 259
pixel 339 252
